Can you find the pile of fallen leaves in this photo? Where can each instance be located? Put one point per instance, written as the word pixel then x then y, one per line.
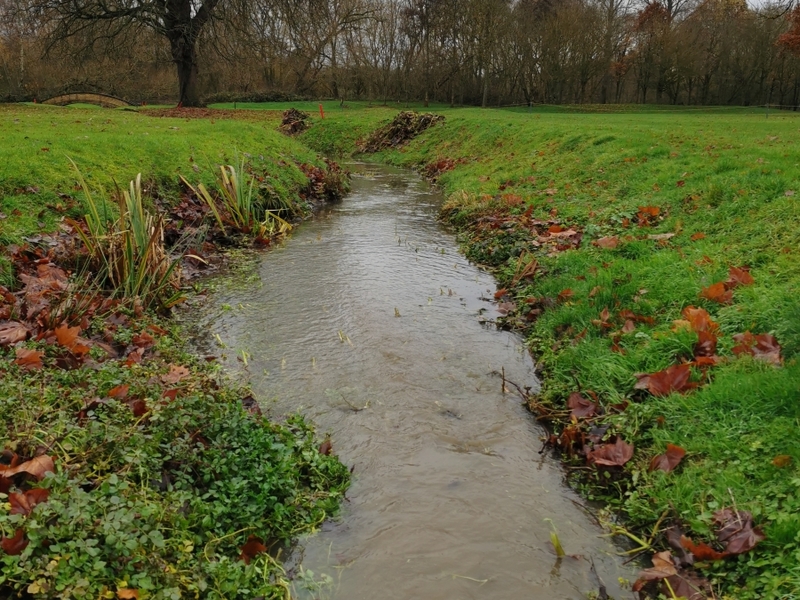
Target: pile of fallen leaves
pixel 404 127
pixel 325 185
pixel 294 121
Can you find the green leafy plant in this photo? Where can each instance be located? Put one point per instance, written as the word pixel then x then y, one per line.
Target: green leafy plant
pixel 129 251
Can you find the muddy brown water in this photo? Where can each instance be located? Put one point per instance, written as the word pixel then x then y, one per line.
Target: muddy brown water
pixel 370 322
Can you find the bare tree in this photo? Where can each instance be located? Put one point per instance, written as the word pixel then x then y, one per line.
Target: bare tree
pixel 95 22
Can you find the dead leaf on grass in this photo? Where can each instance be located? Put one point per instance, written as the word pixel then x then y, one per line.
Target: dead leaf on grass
pixel 23 503
pixel 782 460
pixel 12 332
pixel 176 374
pixel 763 347
pixel 611 455
pixel 607 243
pixel 717 292
pixel 699 319
pixel 29 359
pixel 672 379
pixel 662 568
pixel 736 530
pixel 580 407
pixel 14 545
pixel 38 467
pixel 739 276
pixel 669 460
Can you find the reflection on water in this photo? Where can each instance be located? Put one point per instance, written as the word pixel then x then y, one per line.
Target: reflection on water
pixel 368 322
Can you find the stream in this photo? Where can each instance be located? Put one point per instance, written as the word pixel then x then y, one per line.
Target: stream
pixel 370 322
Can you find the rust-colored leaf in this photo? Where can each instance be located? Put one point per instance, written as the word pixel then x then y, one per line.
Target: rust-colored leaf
pixel 782 460
pixel 767 349
pixel 14 545
pixel 67 336
pixel 763 347
pixel 699 319
pixel 252 548
pixel 739 276
pixel 127 594
pixel 326 447
pixel 565 295
pixel 143 340
pixel 119 392
pixel 138 406
pixel 735 529
pixel 702 551
pixel 580 407
pixel 607 243
pixel 744 343
pixel 176 374
pixel 12 332
pixel 611 455
pixel 500 293
pixel 650 211
pixel 669 460
pixel 629 326
pixel 706 345
pixel 28 359
pixel 38 467
pixel 717 292
pixel 23 503
pixel 663 383
pixel 698 236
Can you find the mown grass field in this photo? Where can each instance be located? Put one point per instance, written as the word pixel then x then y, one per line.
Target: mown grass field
pixel 112 146
pixel 726 184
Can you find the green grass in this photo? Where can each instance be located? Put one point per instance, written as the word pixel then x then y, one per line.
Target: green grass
pixel 36 181
pixel 592 168
pixel 159 489
pixel 733 175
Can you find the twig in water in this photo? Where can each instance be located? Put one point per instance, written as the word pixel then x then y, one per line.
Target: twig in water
pixel 481 581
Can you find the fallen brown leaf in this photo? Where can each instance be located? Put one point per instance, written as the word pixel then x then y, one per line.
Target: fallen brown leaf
pixel 717 292
pixel 580 407
pixel 38 467
pixel 14 545
pixel 28 359
pixel 611 455
pixel 669 460
pixel 23 503
pixel 252 548
pixel 176 374
pixel 12 332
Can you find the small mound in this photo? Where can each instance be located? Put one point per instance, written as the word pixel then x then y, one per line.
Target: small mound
pixel 294 121
pixel 406 126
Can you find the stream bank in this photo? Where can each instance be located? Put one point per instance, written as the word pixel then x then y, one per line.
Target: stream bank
pixel 129 469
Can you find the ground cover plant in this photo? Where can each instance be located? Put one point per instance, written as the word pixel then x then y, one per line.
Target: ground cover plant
pixel 651 259
pixel 129 468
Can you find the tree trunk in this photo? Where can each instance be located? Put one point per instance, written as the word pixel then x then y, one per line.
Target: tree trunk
pixel 184 55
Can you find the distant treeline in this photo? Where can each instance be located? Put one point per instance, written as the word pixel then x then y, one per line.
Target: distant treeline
pixel 479 52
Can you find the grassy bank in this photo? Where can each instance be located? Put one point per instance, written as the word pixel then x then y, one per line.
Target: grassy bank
pixel 632 243
pixel 130 469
